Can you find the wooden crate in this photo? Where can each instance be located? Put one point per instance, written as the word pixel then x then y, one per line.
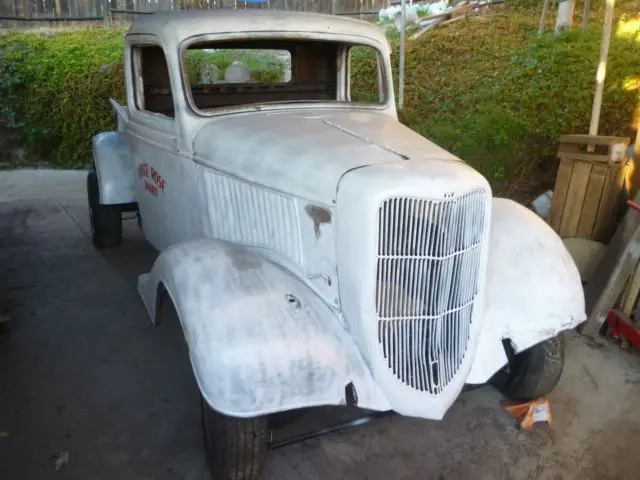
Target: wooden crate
pixel 588 186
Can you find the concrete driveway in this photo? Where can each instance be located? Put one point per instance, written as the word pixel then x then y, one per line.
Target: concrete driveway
pixel 83 371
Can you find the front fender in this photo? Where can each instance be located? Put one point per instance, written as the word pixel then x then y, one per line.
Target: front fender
pixel 260 341
pixel 533 289
pixel 114 166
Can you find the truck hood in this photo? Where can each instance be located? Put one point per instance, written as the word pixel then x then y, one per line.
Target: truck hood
pixel 305 153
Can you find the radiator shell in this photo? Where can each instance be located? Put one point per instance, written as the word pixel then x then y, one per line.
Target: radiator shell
pixel 360 246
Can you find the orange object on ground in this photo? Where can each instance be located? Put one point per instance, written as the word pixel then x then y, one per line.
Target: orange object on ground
pixel 528 413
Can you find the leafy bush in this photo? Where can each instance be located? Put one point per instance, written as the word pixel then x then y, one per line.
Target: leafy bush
pixel 55 90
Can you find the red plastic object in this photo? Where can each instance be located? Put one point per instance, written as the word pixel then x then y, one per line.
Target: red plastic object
pixel 633 205
pixel 620 324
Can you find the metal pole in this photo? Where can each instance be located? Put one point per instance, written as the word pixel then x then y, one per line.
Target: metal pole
pixel 543 17
pixel 401 67
pixel 602 68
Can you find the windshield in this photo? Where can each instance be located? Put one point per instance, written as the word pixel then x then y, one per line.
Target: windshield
pixel 227 74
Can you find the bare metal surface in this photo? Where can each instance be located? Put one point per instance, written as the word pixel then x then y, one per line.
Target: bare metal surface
pixel 255 149
pixel 358 259
pixel 277 228
pixel 225 198
pixel 533 286
pixel 177 26
pixel 253 350
pixel 114 168
pixel 84 372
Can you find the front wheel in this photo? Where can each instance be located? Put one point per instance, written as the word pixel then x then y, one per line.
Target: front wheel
pixel 236 448
pixel 534 372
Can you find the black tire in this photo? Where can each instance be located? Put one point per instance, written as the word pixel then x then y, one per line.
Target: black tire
pixel 534 372
pixel 106 220
pixel 284 419
pixel 236 448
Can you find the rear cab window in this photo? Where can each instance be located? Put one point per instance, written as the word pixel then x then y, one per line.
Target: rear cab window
pixel 223 74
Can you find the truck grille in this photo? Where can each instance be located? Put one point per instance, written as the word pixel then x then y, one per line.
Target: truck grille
pixel 427 279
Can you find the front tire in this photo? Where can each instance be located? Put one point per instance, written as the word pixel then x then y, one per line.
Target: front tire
pixel 236 448
pixel 105 220
pixel 535 372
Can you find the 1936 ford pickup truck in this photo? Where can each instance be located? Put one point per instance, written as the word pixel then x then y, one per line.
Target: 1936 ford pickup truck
pixel 316 251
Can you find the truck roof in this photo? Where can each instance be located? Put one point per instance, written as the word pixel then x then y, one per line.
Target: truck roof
pixel 177 26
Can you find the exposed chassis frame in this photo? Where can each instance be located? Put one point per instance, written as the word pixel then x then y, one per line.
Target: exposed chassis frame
pixel 354 423
pixel 331 429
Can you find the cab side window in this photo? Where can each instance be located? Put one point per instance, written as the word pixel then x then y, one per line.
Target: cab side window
pixel 152 85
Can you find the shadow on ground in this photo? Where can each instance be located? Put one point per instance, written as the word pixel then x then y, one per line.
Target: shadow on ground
pixel 83 371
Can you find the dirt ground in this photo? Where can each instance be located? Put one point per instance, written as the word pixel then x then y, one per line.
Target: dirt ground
pixel 83 371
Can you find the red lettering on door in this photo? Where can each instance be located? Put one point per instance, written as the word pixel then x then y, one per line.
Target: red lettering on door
pixel 147 171
pixel 151 188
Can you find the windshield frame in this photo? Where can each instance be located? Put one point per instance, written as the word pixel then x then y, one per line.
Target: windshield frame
pixel 345 41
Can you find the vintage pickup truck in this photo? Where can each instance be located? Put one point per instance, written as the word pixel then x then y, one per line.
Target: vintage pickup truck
pixel 316 251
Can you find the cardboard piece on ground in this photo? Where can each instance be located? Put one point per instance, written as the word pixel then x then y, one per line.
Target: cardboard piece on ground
pixel 528 413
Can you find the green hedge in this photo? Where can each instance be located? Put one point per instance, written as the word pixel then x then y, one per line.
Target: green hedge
pixel 55 90
pixel 486 89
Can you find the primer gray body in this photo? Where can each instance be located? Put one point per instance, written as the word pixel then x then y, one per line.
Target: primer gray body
pixel 266 217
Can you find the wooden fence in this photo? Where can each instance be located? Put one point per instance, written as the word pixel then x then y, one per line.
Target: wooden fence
pixel 81 10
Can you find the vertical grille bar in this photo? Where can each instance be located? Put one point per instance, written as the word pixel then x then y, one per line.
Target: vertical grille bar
pixel 427 279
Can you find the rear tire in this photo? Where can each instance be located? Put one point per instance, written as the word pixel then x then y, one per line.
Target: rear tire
pixel 236 448
pixel 106 220
pixel 535 372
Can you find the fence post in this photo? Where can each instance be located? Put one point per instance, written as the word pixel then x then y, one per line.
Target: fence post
pixel 105 14
pixel 26 8
pixel 587 11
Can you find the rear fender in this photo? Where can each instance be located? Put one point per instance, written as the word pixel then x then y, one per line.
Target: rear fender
pixel 260 341
pixel 114 166
pixel 122 114
pixel 533 290
pixel 113 162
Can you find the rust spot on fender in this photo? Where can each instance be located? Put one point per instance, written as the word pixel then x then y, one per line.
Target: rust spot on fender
pixel 319 216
